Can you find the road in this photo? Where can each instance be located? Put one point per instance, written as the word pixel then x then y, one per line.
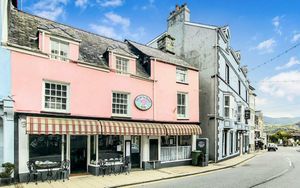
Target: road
pixel 271 169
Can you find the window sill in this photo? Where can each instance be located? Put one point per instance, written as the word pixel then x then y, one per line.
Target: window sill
pixel 184 83
pixel 116 116
pixel 55 112
pixel 183 118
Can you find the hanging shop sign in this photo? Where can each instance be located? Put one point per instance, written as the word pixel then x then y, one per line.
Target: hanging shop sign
pixel 143 102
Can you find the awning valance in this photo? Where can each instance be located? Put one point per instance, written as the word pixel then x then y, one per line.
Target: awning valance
pixel 183 129
pixel 47 125
pixel 132 128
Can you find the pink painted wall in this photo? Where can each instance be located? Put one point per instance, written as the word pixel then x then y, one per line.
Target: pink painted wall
pixel 91 90
pixel 165 92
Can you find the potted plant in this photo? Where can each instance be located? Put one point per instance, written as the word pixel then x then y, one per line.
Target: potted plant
pixel 5 176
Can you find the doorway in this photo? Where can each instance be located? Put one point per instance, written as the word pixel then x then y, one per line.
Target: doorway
pixel 153 149
pixel 135 151
pixel 78 154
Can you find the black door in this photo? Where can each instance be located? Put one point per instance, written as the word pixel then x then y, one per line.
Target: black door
pixel 135 151
pixel 153 149
pixel 78 154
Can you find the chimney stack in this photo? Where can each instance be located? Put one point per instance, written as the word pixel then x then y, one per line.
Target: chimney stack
pixel 181 13
pixel 166 43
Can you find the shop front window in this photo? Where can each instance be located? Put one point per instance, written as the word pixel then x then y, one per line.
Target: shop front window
pixel 45 147
pixel 168 141
pixel 184 140
pixel 110 146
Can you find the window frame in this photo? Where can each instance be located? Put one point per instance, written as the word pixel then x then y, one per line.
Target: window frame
pixel 227 73
pixel 186 105
pixel 122 59
pixel 128 104
pixel 44 96
pixel 58 56
pixel 182 71
pixel 227 106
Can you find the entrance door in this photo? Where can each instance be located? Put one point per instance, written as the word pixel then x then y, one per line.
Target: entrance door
pixel 135 151
pixel 153 149
pixel 78 154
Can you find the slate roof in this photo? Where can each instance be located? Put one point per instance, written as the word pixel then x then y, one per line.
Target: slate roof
pixel 160 55
pixel 23 30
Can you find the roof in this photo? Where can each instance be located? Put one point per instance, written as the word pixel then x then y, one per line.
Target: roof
pixel 160 55
pixel 23 29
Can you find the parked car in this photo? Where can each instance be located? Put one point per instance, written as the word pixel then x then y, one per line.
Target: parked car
pixel 272 147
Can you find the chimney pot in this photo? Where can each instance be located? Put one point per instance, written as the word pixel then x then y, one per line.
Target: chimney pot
pixel 177 7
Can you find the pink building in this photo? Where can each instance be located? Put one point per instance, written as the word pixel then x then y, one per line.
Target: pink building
pixel 83 97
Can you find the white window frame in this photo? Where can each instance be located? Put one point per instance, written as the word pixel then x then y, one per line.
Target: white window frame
pixel 185 116
pixel 181 71
pixel 67 97
pixel 239 113
pixel 59 57
pixel 128 104
pixel 227 106
pixel 227 73
pixel 122 60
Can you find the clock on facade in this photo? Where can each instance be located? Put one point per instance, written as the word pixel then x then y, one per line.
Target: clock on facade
pixel 143 102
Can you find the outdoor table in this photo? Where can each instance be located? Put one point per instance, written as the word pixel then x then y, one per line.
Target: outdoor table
pixel 47 167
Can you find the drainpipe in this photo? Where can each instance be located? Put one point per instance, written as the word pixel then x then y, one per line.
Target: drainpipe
pixel 153 90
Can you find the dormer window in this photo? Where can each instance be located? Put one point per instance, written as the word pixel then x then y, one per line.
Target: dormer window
pixel 122 66
pixel 59 50
pixel 181 75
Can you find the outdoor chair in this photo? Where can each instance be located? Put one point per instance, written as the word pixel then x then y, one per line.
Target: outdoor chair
pixel 112 167
pixel 64 170
pixel 33 172
pixel 103 168
pixel 126 165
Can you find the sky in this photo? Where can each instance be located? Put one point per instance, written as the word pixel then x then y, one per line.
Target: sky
pixel 263 30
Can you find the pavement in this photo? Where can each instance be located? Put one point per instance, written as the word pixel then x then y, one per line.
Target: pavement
pixel 139 177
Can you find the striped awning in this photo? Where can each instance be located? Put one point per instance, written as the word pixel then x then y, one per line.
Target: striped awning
pixel 183 129
pixel 132 128
pixel 47 125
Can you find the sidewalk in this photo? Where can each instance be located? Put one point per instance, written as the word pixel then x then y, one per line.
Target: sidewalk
pixel 137 177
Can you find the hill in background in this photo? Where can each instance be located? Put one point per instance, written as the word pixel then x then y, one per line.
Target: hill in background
pixel 281 121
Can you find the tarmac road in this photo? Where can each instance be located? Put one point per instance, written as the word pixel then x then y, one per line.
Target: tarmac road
pixel 270 169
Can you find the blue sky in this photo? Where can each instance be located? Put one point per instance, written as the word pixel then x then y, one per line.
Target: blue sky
pixel 260 29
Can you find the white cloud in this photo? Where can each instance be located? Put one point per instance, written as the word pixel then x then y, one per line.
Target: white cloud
pixel 81 3
pixel 110 3
pixel 282 85
pixel 296 37
pixel 149 5
pixel 261 101
pixel 276 23
pixel 51 9
pixel 118 27
pixel 293 61
pixel 266 46
pixel 116 19
pixel 105 31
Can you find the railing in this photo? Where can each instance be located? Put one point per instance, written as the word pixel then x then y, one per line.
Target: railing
pixel 170 153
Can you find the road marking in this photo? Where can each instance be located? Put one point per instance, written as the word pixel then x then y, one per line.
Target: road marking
pixel 291 166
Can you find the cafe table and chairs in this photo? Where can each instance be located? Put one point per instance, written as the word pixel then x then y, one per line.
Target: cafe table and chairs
pixel 51 168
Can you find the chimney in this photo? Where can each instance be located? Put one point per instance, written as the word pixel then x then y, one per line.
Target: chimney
pixel 166 43
pixel 245 69
pixel 181 13
pixel 15 3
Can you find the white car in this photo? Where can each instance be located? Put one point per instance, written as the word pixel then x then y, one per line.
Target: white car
pixel 272 147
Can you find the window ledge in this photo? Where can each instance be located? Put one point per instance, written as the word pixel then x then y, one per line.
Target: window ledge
pixel 116 116
pixel 55 112
pixel 184 83
pixel 183 118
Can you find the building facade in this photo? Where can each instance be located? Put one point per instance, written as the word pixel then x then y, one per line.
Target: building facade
pixel 224 86
pixel 83 97
pixel 251 121
pixel 6 101
pixel 260 135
